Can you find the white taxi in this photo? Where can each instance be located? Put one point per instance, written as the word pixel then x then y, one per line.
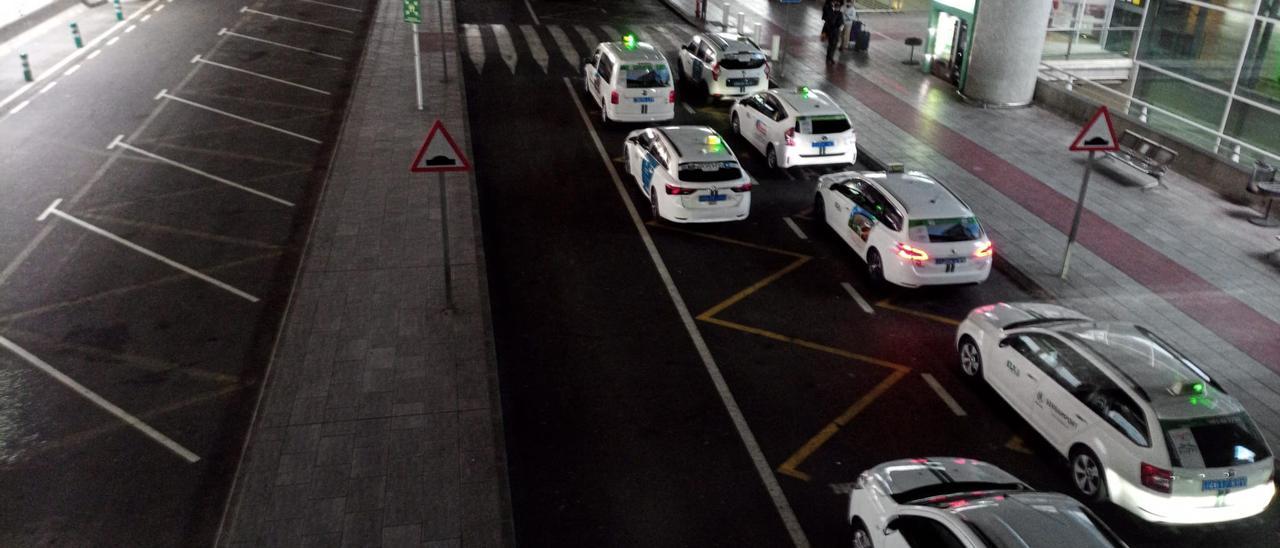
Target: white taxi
pixel 908 228
pixel 723 64
pixel 964 503
pixel 1140 424
pixel 799 127
pixel 688 174
pixel 631 82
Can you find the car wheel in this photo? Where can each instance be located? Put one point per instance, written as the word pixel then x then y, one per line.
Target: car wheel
pixel 735 124
pixel 1087 475
pixel 653 206
pixel 604 114
pixel 970 358
pixel 861 537
pixel 771 157
pixel 875 268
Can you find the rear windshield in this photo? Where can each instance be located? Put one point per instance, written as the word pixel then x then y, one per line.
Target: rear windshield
pixel 820 125
pixel 1214 442
pixel 742 60
pixel 710 172
pixel 1051 528
pixel 646 76
pixel 960 229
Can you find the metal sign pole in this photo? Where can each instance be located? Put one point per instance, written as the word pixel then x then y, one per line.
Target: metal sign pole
pixel 444 60
pixel 1075 222
pixel 417 64
pixel 444 237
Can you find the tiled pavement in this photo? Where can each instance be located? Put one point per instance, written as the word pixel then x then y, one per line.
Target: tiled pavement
pixel 380 422
pixel 1181 260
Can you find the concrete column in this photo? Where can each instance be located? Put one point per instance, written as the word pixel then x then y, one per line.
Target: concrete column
pixel 1008 38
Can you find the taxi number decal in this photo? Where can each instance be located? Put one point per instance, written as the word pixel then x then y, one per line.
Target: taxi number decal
pixel 760 127
pixel 646 170
pixel 1013 369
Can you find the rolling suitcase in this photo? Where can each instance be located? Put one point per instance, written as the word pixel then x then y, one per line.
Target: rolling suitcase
pixel 855 28
pixel 862 41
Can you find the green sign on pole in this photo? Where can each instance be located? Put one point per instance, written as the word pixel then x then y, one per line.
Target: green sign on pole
pixel 413 11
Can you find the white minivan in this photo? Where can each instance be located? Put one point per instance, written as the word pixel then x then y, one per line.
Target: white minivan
pixel 631 81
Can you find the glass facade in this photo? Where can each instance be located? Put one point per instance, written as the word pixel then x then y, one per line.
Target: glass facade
pixel 1213 65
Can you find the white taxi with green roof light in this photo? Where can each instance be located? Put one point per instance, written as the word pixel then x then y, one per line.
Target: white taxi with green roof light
pixel 907 227
pixel 723 64
pixel 948 502
pixel 800 127
pixel 688 174
pixel 631 81
pixel 1140 424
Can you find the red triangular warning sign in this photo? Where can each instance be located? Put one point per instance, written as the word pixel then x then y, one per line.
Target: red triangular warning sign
pixel 1096 136
pixel 439 155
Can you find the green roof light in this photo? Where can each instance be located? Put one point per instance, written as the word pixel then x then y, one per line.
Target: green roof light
pixel 629 41
pixel 803 91
pixel 1198 388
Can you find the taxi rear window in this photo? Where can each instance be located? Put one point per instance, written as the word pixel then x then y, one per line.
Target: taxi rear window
pixel 1214 442
pixel 961 229
pixel 820 125
pixel 742 60
pixel 710 172
pixel 646 76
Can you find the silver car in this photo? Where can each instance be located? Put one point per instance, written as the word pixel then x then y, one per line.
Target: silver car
pixel 948 502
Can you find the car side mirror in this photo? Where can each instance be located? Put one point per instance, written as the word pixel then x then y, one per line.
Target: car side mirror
pixel 1004 343
pixel 891 526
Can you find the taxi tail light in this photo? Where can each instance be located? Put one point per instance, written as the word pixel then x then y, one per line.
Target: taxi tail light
pixel 671 96
pixel 910 253
pixel 791 137
pixel 1156 478
pixel 768 71
pixel 744 187
pixel 613 97
pixel 985 250
pixel 715 71
pixel 679 190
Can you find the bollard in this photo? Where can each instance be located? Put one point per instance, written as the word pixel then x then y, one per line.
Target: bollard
pixel 26 67
pixel 724 15
pixel 75 34
pixel 1143 116
pixel 777 47
pixel 119 10
pixel 1070 81
pixel 1235 153
pixel 742 23
pixel 758 33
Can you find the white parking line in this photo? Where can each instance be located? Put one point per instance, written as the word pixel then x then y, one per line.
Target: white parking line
pixel 299 21
pixel 687 108
pixel 334 6
pixel 164 93
pixel 198 59
pixel 95 53
pixel 565 46
pixel 118 142
pixel 48 86
pixel 942 393
pixel 532 14
pixel 53 210
pixel 144 18
pixel 862 303
pixel 113 41
pixel 277 44
pixel 795 228
pixel 130 28
pixel 99 401
pixel 717 378
pixel 20 106
pixel 158 8
pixel 73 69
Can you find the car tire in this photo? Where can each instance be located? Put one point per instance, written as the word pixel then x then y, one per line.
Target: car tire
pixel 771 158
pixel 875 268
pixel 1087 474
pixel 735 124
pixel 604 114
pixel 970 358
pixel 653 205
pixel 859 536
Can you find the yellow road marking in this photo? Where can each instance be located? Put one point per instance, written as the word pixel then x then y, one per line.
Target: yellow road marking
pixel 752 289
pixel 941 319
pixel 896 367
pixel 730 240
pixel 1015 444
pixel 819 439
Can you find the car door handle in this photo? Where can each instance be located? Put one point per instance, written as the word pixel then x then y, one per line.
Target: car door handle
pixel 1031 377
pixel 1081 419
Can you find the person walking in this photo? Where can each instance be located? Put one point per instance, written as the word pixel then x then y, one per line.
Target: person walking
pixel 833 22
pixel 849 15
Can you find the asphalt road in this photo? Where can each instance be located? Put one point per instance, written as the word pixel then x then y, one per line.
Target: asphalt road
pixel 217 176
pixel 616 433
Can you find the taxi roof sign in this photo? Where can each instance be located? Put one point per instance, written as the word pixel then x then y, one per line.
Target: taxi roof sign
pixel 1096 137
pixel 439 155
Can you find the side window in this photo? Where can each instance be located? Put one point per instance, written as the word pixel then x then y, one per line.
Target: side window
pixel 1060 362
pixel 707 53
pixel 645 140
pixel 660 152
pixel 605 67
pixel 843 190
pixel 779 113
pixel 880 207
pixel 922 532
pixel 1115 406
pixel 858 192
pixel 692 46
pixel 893 218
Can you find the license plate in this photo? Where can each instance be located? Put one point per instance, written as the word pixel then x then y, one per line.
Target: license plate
pixel 822 144
pixel 643 99
pixel 741 82
pixel 712 198
pixel 1220 484
pixel 950 260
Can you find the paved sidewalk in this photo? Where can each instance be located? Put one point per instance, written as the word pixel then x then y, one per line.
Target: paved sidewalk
pixel 49 42
pixel 1181 260
pixel 380 422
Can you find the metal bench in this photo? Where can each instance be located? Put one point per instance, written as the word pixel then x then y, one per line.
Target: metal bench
pixel 1144 155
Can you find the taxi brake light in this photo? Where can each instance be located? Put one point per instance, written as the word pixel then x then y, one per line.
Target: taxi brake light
pixel 744 187
pixel 1156 478
pixel 910 253
pixel 791 137
pixel 715 71
pixel 671 96
pixel 679 190
pixel 613 97
pixel 984 250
